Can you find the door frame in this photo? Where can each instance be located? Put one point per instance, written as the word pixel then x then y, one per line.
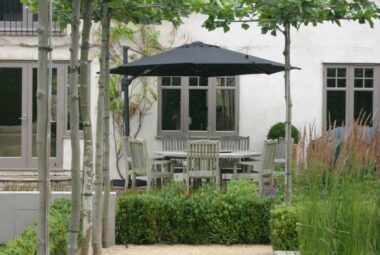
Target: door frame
pixel 27 161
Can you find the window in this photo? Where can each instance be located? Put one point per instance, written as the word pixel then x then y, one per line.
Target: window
pixel 17 19
pixel 351 93
pixel 198 106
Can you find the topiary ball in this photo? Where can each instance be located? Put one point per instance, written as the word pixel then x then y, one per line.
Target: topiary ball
pixel 278 131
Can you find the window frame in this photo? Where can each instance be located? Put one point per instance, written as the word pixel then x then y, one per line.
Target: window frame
pixel 350 90
pixel 185 93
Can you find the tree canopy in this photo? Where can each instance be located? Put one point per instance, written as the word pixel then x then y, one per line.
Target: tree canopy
pixel 271 15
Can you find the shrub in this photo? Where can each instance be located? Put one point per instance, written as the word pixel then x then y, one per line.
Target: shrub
pixel 207 216
pixel 283 224
pixel 59 217
pixel 278 131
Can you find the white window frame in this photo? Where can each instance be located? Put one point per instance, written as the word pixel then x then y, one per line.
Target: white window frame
pixel 350 90
pixel 185 88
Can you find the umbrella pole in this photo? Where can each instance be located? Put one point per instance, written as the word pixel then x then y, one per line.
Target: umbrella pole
pixel 124 84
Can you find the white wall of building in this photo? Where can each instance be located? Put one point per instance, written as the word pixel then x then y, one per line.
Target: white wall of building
pixel 261 96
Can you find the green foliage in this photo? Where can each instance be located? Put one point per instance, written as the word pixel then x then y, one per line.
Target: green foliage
pixel 278 131
pixel 272 14
pixel 207 216
pixel 283 224
pixel 58 229
pixel 339 213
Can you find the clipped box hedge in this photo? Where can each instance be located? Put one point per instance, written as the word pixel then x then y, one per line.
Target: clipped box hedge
pixel 283 224
pixel 238 216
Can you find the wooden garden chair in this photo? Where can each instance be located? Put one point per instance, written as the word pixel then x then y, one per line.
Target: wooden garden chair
pixel 142 165
pixel 265 169
pixel 202 161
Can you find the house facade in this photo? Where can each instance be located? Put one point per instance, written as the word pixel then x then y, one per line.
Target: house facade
pixel 339 79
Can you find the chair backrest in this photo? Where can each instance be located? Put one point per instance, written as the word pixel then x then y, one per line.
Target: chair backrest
pixel 235 143
pixel 203 155
pixel 139 155
pixel 174 142
pixel 269 153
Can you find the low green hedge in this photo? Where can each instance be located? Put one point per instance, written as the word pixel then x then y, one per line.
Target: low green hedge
pixel 283 224
pixel 25 244
pixel 207 216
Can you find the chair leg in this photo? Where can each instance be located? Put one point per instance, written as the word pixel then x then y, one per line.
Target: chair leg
pixel 187 183
pixel 133 180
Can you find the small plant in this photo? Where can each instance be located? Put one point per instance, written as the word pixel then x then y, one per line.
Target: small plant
pixel 278 131
pixel 25 244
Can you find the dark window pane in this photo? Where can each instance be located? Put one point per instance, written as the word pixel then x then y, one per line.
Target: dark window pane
pixel 225 110
pixel 203 81
pixel 368 83
pixel 358 72
pixel 331 83
pixel 336 108
pixel 193 81
pixel 369 72
pixel 171 109
pixel 10 10
pixel 53 134
pixel 230 82
pixel 198 109
pixel 166 81
pixel 358 83
pixel 331 72
pixel 10 111
pixel 341 72
pixel 176 81
pixel 363 106
pixel 341 83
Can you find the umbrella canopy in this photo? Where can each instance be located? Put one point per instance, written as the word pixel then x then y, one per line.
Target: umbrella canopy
pixel 198 59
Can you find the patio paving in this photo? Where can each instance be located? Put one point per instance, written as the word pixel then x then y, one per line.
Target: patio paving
pixel 189 250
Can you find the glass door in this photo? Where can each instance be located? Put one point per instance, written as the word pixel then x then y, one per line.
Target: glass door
pixel 13 116
pixel 56 116
pixel 18 115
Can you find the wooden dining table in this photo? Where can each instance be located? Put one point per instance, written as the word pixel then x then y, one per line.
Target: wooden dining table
pixel 223 154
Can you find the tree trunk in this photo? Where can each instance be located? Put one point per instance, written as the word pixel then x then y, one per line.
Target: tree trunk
pixel 288 121
pixel 106 135
pixel 97 229
pixel 43 134
pixel 72 243
pixel 88 150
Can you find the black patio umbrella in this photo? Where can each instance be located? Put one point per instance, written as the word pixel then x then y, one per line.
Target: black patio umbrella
pixel 198 59
pixel 194 59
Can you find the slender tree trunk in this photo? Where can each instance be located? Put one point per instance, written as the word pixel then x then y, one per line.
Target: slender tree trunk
pixel 43 128
pixel 72 244
pixel 106 138
pixel 288 121
pixel 97 229
pixel 88 151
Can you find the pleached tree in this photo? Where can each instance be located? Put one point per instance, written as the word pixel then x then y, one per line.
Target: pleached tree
pixel 43 130
pixel 279 16
pixel 74 131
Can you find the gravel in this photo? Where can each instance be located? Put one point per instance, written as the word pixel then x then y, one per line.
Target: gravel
pixel 189 250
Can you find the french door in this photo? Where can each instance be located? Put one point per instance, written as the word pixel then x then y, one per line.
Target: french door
pixel 18 115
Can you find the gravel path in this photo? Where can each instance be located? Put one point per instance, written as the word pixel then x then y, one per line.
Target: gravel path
pixel 189 250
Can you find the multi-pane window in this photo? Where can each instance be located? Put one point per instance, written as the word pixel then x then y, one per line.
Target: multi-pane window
pixel 17 19
pixel 351 93
pixel 198 106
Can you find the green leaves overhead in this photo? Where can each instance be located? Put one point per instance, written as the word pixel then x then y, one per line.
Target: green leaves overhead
pixel 272 14
pixel 137 11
